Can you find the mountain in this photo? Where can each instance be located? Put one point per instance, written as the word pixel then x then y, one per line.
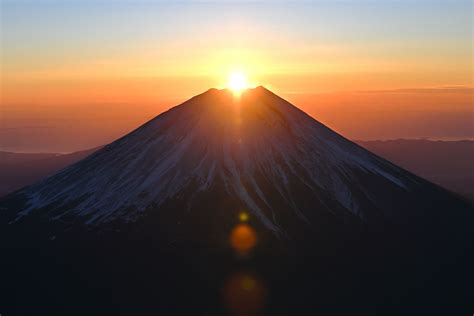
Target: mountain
pixel 155 218
pixel 21 169
pixel 258 153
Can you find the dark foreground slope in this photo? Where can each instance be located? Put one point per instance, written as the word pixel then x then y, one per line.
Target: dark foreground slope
pixel 152 224
pixel 332 274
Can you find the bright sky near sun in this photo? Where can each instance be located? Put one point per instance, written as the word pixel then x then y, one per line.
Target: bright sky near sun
pixel 70 52
pixel 76 48
pixel 237 81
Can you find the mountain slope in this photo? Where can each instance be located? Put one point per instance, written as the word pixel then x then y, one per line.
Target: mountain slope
pixel 450 163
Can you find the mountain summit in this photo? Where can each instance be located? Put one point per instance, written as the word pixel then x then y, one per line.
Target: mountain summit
pixel 218 154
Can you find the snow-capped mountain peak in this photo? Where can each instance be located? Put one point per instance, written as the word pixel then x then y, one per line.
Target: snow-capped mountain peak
pixel 256 151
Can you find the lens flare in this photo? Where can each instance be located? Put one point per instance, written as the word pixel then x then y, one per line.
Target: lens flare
pixel 243 239
pixel 244 294
pixel 243 216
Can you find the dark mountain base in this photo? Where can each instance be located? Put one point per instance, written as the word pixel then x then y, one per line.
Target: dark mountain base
pixel 178 261
pixel 332 273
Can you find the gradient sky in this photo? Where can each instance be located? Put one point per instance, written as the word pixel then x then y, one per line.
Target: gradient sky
pixel 76 74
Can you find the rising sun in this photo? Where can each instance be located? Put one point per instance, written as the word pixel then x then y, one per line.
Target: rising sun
pixel 237 82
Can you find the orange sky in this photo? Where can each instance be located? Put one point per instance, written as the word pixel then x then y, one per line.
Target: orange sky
pixel 91 71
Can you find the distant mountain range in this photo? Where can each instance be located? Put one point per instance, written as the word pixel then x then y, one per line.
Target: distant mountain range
pixel 20 169
pixel 446 163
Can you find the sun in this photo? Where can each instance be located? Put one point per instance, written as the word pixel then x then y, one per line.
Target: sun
pixel 237 82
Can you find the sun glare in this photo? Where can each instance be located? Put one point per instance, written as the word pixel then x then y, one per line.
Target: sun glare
pixel 237 82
